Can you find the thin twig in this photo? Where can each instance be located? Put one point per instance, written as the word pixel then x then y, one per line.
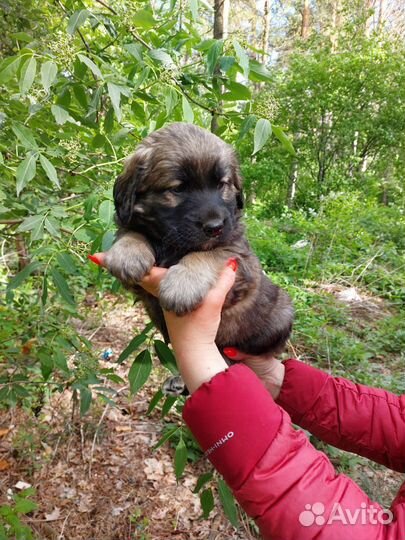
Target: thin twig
pixel 93 445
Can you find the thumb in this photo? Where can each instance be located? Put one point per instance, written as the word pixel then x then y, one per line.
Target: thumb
pixel 224 284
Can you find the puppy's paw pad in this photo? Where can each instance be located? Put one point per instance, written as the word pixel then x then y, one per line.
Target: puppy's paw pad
pixel 182 291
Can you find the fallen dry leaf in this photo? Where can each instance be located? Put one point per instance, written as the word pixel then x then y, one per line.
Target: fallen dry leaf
pixel 4 465
pixel 123 429
pixel 4 431
pixel 22 485
pixel 54 515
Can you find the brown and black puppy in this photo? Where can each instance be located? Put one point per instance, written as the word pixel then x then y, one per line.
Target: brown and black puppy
pixel 179 204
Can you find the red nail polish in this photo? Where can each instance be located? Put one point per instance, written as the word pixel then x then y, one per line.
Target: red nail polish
pixel 231 352
pixel 233 263
pixel 94 259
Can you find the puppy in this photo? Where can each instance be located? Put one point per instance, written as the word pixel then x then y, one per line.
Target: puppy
pixel 178 205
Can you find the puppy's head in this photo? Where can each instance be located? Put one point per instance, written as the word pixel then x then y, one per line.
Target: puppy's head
pixel 182 187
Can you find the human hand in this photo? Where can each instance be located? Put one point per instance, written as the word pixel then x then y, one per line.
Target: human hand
pixel 193 335
pixel 269 369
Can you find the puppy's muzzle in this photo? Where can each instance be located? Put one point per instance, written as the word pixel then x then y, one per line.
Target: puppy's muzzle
pixel 213 227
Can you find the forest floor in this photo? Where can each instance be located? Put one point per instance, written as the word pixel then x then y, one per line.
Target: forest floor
pixel 99 478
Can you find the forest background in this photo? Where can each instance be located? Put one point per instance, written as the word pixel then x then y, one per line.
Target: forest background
pixel 312 95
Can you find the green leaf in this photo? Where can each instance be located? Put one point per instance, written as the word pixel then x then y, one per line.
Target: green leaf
pixel 109 120
pixel 66 261
pixel 168 435
pixel 8 68
pixel 258 72
pixel 24 506
pixel 180 458
pixel 52 226
pixel 106 212
pixel 107 240
pixel 61 115
pixel 207 502
pixel 194 9
pixel 22 36
pixel 262 133
pixel 47 366
pixel 228 502
pixel 285 141
pixel 44 294
pixel 144 19
pixel 59 360
pixel 62 287
pixel 31 223
pixel 171 99
pixel 202 480
pixel 213 54
pixel 26 171
pixel 135 50
pixel 188 114
pixel 27 76
pixel 243 58
pixel 140 371
pixel 226 62
pixel 168 404
pixel 166 356
pixel 49 71
pixel 114 91
pixel 91 65
pixel 237 92
pixel 85 400
pixel 49 170
pixel 77 19
pixel 17 280
pixel 131 347
pixel 24 135
pixel 247 125
pixel 161 56
pixel 154 401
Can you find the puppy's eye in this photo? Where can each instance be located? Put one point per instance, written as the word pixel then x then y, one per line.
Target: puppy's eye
pixel 176 190
pixel 222 185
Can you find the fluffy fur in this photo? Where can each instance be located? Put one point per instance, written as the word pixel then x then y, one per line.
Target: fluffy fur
pixel 179 204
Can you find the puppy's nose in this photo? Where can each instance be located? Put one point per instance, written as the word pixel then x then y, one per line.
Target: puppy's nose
pixel 213 227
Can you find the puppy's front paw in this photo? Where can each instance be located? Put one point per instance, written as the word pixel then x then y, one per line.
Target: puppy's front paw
pixel 130 259
pixel 182 290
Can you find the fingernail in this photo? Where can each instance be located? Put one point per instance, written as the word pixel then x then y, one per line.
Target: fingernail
pixel 231 352
pixel 94 259
pixel 232 263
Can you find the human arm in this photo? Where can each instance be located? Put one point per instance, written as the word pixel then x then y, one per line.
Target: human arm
pixel 367 421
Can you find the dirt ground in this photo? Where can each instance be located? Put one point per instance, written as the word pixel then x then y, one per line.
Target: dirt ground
pixel 99 478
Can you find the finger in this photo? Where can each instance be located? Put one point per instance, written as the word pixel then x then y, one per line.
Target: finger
pixel 98 258
pixel 234 354
pixel 151 282
pixel 224 284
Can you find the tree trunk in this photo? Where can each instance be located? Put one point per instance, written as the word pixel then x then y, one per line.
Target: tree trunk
pixel 305 22
pixel 221 18
pixel 292 187
pixel 266 30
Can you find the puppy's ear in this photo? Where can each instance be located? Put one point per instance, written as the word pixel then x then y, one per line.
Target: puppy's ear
pixel 237 182
pixel 125 188
pixel 240 199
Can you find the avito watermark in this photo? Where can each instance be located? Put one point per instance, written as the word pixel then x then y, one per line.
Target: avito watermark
pixel 365 515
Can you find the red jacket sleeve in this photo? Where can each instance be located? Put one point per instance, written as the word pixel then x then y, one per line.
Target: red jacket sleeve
pixel 367 421
pixel 288 487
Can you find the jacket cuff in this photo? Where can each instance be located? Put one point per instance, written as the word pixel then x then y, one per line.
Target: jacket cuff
pixel 234 419
pixel 301 387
